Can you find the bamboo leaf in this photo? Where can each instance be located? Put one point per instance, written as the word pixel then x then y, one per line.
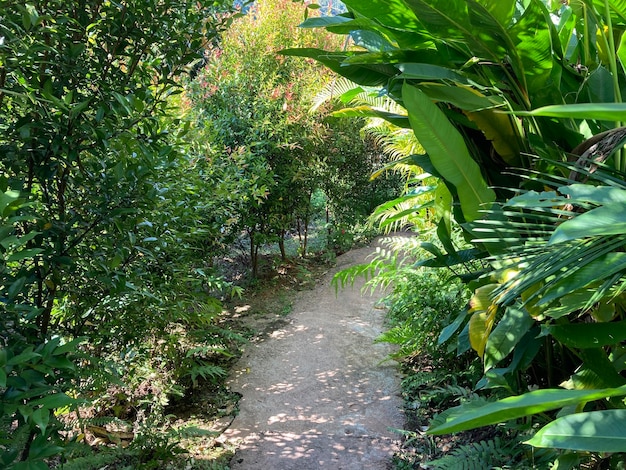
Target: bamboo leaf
pixel 594 431
pixel 448 152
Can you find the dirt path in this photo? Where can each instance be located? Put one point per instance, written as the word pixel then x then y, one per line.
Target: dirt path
pixel 315 395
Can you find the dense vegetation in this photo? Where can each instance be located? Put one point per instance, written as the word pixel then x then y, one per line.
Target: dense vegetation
pixel 136 149
pixel 520 128
pixel 141 141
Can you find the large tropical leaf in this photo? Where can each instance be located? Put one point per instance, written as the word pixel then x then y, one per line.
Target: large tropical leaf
pixel 504 135
pixel 580 276
pixel 594 431
pixel 533 43
pixel 588 335
pixel 448 152
pixel 483 311
pixel 461 418
pixel 457 21
pixel 602 221
pixel 513 326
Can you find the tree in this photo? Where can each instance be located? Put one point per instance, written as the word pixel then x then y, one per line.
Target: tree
pixel 85 89
pixel 555 266
pixel 251 99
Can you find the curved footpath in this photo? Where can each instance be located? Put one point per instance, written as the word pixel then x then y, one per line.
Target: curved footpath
pixel 315 394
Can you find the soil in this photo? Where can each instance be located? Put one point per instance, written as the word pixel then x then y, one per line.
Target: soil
pixel 317 392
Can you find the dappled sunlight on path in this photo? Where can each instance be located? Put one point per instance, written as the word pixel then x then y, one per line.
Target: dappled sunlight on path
pixel 315 393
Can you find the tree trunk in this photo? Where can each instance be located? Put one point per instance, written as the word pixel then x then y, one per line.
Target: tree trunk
pixel 254 252
pixel 281 245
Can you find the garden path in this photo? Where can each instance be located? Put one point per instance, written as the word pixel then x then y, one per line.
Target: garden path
pixel 315 394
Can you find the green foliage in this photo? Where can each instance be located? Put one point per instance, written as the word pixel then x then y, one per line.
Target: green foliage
pixel 422 303
pixel 263 115
pixel 99 252
pixel 549 227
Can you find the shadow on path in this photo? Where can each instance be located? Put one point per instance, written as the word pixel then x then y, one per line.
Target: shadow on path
pixel 315 394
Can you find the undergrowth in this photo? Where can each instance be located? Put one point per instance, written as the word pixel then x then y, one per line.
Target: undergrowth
pixel 427 323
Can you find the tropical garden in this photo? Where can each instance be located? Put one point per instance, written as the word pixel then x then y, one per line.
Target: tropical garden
pixel 517 106
pixel 141 161
pixel 147 144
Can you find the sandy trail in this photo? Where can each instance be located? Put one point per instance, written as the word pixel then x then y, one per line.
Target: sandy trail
pixel 315 395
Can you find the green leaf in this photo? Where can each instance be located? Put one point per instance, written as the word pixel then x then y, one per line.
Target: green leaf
pixel 600 195
pixel 390 13
pixel 597 361
pixel 429 72
pixel 514 324
pixel 461 418
pixel 581 275
pixel 448 152
pixel 25 254
pixel 460 96
pixel 502 10
pixel 599 111
pixel 41 448
pixel 367 111
pixel 56 400
pixel 594 431
pixel 3 378
pixel 324 21
pixel 531 36
pixel 70 346
pixel 23 358
pixel 452 328
pixel 41 418
pixel 7 199
pixel 601 221
pixel 588 335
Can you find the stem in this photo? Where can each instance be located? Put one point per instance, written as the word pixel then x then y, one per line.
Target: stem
pixel 586 47
pixel 620 161
pixel 612 53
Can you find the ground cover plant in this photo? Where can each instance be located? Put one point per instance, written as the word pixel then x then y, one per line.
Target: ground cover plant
pixel 522 127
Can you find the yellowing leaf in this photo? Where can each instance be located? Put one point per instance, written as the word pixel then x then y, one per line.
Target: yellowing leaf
pixel 483 312
pixel 499 129
pixel 481 300
pixel 480 326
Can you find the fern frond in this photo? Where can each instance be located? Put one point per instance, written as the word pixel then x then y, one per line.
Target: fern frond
pixel 206 371
pixel 116 457
pixel 477 456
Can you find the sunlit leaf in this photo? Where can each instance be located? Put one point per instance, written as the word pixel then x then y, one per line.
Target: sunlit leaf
pixel 594 431
pixel 602 221
pixel 515 407
pixel 514 324
pixel 448 152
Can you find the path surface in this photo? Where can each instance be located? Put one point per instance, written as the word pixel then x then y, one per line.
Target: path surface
pixel 314 394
